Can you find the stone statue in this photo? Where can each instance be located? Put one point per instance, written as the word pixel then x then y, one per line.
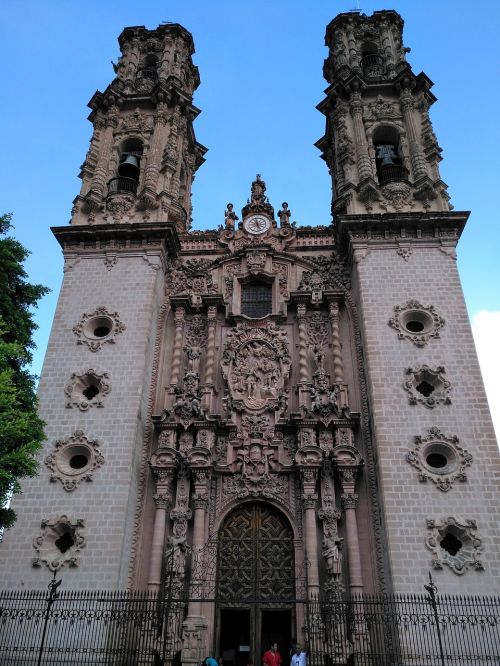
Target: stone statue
pixel 230 217
pixel 284 215
pixel 332 552
pixel 194 355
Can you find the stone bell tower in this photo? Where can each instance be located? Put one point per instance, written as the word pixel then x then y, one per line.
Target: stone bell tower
pixel 436 454
pixel 379 144
pixel 143 154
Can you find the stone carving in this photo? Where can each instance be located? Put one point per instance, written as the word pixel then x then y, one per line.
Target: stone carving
pixel 382 109
pixel 271 486
pixel 74 459
pixel 186 442
pixel 281 270
pixel 98 328
pixel 454 543
pixel 118 206
pixel 230 217
pixel 191 277
pixel 324 398
pixel 405 251
pixel 59 543
pixel 328 272
pixel 86 389
pixel 416 322
pixel 317 330
pixel 256 261
pixel 196 331
pixel 284 215
pixel 398 195
pixel 256 366
pixel 181 513
pixel 187 401
pixel 193 359
pixel 427 386
pixel 439 458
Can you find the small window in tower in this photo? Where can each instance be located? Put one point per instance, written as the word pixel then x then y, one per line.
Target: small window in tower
pixel 256 299
pixel 372 63
pixel 388 156
pixel 129 165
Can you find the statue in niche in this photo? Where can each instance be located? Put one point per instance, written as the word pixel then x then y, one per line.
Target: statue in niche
pixel 194 356
pixel 332 552
pixel 324 398
pixel 319 358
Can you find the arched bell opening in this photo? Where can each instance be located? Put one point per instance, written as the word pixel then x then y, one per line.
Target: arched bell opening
pixel 255 583
pixel 129 167
pixel 372 62
pixel 149 67
pixel 388 155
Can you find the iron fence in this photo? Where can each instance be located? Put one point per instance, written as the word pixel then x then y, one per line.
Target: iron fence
pixel 135 628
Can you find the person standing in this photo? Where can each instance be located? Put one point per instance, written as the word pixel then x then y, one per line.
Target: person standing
pixel 272 657
pixel 298 658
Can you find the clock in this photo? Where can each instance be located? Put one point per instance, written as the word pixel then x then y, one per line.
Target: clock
pixel 256 224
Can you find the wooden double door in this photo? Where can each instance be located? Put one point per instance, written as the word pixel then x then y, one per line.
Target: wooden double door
pixel 255 584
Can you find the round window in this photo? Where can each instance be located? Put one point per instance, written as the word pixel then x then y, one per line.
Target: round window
pixel 439 458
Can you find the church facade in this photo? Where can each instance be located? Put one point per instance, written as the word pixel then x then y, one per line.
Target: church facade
pixel 267 411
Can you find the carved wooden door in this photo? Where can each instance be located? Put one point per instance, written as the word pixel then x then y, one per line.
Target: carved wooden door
pixel 255 556
pixel 255 572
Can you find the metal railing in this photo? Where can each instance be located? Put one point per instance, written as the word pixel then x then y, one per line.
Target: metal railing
pixel 392 173
pixel 99 627
pixel 122 184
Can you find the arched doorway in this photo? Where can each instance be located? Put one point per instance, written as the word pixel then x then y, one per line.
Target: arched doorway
pixel 255 584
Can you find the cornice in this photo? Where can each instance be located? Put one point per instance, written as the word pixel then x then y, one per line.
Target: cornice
pixel 119 237
pixel 386 229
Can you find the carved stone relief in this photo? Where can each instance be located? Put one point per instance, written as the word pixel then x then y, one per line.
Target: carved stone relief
pixel 454 543
pixel 59 543
pixel 256 366
pixel 74 459
pixel 439 458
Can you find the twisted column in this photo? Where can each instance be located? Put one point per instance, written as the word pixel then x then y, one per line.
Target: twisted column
pixel 303 364
pixel 210 358
pixel 338 368
pixel 180 314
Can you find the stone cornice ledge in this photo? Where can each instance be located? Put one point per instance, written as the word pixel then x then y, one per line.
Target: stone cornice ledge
pixel 391 229
pixel 121 238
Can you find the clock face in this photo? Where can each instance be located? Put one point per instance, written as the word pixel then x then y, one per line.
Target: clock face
pixel 257 224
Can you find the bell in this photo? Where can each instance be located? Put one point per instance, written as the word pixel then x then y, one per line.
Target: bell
pixel 129 167
pixel 386 154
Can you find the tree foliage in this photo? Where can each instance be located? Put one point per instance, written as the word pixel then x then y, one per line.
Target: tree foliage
pixel 21 429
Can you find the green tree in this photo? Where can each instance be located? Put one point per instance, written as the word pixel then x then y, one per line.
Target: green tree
pixel 21 429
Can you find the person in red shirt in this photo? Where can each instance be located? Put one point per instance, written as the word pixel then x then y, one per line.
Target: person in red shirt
pixel 272 657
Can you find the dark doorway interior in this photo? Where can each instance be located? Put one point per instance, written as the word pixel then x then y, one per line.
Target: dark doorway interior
pixel 234 636
pixel 276 628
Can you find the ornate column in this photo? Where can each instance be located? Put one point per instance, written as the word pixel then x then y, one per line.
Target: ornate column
pixel 163 474
pixel 194 639
pixel 360 142
pixel 180 314
pixel 152 170
pixel 309 501
pixel 338 368
pixel 418 162
pixel 348 462
pixel 210 358
pixel 106 125
pixel 303 363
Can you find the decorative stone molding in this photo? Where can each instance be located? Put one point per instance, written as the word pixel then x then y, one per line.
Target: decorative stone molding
pixel 86 389
pixel 416 322
pixel 59 543
pixel 427 386
pixel 270 486
pixel 98 328
pixel 440 459
pixel 454 543
pixel 74 459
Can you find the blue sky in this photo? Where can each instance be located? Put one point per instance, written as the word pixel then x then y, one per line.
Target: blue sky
pixel 261 78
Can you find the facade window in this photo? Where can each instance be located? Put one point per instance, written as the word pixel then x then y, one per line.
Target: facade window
pixel 256 299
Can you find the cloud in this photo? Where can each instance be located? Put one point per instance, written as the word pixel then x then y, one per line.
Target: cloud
pixel 486 331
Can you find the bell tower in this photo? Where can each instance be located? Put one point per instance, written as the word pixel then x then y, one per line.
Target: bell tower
pixel 436 454
pixel 379 144
pixel 143 153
